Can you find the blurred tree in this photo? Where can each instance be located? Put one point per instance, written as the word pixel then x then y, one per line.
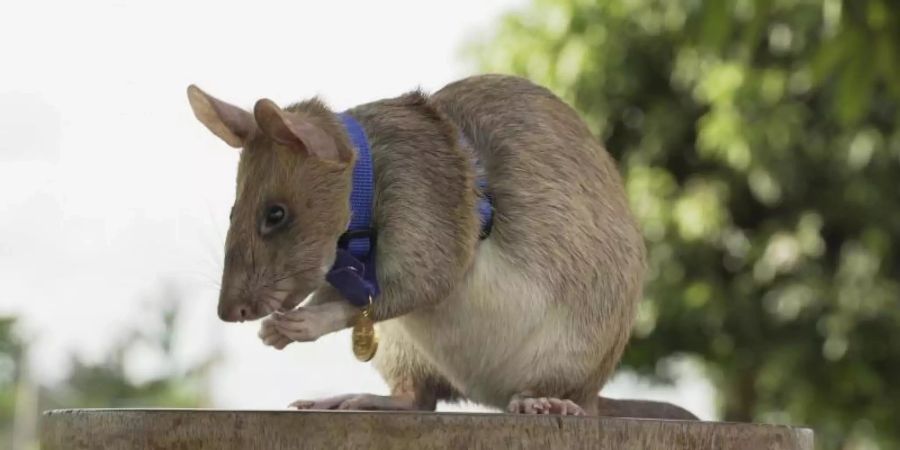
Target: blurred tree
pixel 760 142
pixel 11 351
pixel 110 383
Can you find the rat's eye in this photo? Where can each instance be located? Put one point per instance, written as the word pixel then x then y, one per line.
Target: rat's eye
pixel 276 216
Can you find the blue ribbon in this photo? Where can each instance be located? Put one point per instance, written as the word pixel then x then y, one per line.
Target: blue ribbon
pixel 353 273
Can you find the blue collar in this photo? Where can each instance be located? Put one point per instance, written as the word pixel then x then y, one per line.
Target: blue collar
pixel 353 273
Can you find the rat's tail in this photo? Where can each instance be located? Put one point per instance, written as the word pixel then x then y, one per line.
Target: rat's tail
pixel 642 409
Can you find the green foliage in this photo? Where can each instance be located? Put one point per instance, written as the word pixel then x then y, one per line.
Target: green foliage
pixel 10 354
pixel 760 142
pixel 107 383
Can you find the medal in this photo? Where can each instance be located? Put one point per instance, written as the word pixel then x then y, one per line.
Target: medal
pixel 365 343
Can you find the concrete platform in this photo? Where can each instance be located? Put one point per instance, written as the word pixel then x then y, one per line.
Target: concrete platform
pixel 183 429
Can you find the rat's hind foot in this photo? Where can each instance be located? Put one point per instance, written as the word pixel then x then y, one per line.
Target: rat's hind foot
pixel 361 402
pixel 544 405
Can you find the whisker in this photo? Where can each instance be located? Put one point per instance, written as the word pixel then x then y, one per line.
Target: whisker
pixel 202 276
pixel 270 304
pixel 272 288
pixel 286 276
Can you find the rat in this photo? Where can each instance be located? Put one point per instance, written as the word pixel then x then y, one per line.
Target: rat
pixel 530 316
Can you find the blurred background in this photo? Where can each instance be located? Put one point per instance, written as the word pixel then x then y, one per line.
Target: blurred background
pixel 759 140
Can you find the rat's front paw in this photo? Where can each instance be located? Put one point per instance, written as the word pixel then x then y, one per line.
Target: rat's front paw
pixel 305 324
pixel 271 336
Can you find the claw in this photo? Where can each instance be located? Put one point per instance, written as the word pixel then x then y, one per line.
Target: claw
pixel 367 402
pixel 544 405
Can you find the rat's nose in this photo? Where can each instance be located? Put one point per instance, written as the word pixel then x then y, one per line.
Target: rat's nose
pixel 234 313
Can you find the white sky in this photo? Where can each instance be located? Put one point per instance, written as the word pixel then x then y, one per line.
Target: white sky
pixel 109 186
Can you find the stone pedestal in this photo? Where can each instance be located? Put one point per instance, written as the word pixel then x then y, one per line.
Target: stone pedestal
pixel 183 429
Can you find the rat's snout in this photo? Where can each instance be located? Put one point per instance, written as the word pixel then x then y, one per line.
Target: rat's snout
pixel 235 303
pixel 234 312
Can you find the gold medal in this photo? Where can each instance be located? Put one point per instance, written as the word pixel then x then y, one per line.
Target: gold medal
pixel 365 343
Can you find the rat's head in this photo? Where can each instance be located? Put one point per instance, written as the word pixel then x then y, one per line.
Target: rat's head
pixel 291 205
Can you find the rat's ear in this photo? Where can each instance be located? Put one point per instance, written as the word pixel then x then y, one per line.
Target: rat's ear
pixel 232 124
pixel 292 130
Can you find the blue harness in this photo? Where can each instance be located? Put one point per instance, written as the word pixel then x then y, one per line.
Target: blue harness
pixel 353 273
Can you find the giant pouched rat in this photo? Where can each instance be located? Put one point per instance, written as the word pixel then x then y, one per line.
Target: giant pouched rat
pixel 531 319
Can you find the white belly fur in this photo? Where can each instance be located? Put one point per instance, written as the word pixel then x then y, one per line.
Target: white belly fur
pixel 499 334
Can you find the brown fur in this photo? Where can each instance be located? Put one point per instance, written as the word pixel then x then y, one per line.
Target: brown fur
pixel 424 203
pixel 562 226
pixel 315 192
